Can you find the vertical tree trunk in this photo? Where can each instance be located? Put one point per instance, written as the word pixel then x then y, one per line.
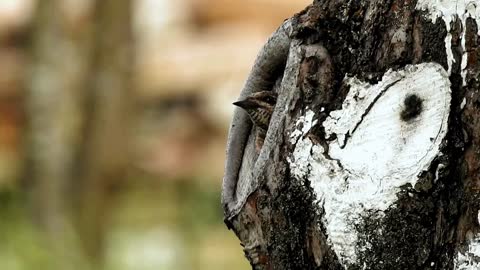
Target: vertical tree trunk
pixel 54 112
pixel 372 156
pixel 104 157
pixel 79 104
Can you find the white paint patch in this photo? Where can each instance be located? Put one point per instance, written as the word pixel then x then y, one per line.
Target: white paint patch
pixel 437 172
pixel 375 152
pixel 464 102
pixel 303 125
pixel 470 259
pixel 300 162
pixel 449 11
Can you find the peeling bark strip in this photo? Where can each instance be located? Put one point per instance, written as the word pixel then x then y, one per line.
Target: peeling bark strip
pixel 267 69
pixel 372 156
pixel 384 152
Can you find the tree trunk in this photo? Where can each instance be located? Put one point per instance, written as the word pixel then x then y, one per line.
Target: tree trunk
pixel 105 153
pixel 58 68
pixel 79 102
pixel 372 156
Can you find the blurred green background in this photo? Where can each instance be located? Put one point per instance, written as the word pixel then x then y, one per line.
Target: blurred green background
pixel 113 122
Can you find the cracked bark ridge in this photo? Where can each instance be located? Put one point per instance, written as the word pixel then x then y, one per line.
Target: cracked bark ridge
pixel 433 223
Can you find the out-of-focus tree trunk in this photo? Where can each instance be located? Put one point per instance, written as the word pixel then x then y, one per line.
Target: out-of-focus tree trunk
pixel 104 157
pixel 371 160
pixel 57 78
pixel 78 110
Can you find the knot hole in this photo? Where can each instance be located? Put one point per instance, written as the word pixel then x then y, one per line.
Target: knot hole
pixel 413 106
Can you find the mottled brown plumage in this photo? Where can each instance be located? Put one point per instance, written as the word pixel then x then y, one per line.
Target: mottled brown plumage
pixel 259 107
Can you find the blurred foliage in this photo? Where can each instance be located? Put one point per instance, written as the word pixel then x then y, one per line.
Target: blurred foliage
pixel 23 245
pixel 171 226
pixel 142 193
pixel 179 217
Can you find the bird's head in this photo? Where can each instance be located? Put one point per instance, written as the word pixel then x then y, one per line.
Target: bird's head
pixel 259 107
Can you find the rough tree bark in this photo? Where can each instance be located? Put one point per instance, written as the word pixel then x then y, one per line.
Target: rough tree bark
pixel 372 157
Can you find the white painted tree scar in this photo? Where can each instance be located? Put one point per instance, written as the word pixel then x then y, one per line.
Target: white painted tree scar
pixel 394 128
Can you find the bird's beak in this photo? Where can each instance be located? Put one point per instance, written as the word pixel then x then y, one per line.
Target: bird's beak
pixel 242 103
pixel 246 104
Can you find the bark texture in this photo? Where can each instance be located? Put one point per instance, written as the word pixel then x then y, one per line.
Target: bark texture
pixel 278 214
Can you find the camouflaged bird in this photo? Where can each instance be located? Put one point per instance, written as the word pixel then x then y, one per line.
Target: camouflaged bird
pixel 259 106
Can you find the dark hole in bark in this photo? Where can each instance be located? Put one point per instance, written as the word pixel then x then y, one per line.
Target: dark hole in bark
pixel 413 107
